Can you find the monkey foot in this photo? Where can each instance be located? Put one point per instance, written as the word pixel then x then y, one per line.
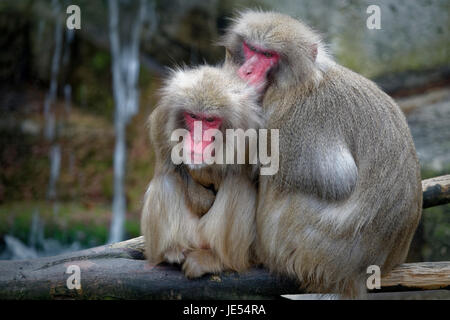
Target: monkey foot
pixel 175 255
pixel 200 262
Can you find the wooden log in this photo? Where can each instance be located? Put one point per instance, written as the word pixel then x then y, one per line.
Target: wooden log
pixel 436 191
pixel 408 276
pixel 422 275
pixel 120 271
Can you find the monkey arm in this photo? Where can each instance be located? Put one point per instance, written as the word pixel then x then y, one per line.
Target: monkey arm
pixel 324 168
pixel 229 226
pixel 167 224
pixel 227 230
pixel 199 198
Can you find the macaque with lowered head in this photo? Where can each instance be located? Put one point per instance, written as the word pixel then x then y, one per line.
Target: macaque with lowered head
pixel 198 211
pixel 348 191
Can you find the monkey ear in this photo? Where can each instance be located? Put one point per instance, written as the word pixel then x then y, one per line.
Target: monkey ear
pixel 314 49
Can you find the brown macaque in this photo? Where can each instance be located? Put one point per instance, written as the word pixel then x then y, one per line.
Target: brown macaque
pixel 348 191
pixel 200 214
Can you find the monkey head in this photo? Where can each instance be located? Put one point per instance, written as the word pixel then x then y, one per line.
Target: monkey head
pixel 272 48
pixel 204 100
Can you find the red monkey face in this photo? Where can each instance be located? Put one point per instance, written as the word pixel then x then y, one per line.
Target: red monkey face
pixel 257 64
pixel 196 142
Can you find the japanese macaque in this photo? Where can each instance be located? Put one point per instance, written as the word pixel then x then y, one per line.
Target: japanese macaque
pixel 348 191
pixel 200 214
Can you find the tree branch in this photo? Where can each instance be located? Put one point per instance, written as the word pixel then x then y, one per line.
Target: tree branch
pixel 436 191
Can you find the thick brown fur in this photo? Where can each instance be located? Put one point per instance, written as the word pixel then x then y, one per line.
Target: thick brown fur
pixel 201 216
pixel 348 192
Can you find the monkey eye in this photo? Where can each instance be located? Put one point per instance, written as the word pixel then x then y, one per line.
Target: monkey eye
pixel 193 116
pixel 251 47
pixel 210 119
pixel 267 54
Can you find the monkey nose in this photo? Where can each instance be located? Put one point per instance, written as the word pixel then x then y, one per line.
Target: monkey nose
pixel 245 71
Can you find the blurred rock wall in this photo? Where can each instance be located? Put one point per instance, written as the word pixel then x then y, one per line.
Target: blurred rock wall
pixel 414 35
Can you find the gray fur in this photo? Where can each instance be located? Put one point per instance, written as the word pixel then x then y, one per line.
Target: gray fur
pixel 348 192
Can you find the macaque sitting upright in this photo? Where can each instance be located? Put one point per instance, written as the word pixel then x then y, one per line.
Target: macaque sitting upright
pixel 201 214
pixel 348 192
